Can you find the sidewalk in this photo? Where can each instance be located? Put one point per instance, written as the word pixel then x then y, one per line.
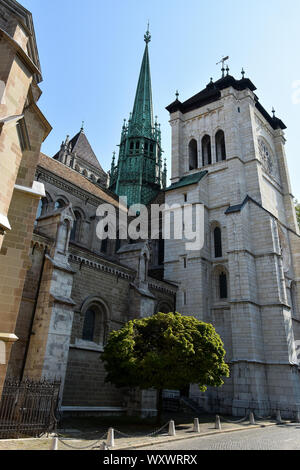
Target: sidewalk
pixel 126 438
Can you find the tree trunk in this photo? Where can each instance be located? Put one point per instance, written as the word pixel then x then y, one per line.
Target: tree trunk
pixel 159 406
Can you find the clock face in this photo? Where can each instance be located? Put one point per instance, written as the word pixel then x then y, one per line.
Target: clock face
pixel 266 156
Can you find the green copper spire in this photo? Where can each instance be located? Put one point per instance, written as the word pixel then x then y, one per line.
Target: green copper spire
pixel 142 114
pixel 139 175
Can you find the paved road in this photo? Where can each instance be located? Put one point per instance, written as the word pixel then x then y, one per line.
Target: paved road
pixel 269 438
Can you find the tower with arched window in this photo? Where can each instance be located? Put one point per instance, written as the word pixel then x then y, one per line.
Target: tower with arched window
pixel 245 279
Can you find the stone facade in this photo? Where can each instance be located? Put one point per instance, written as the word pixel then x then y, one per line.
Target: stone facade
pixel 246 277
pixel 22 130
pixel 70 278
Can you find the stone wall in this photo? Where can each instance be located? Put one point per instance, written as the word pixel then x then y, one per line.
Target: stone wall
pixel 22 130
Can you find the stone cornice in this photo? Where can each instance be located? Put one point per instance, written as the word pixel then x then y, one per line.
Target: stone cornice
pixel 71 188
pixel 109 268
pixel 162 286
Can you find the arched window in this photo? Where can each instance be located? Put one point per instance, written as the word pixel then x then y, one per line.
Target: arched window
pixel 95 327
pixel 206 150
pixel 220 146
pixel 161 251
pixel 193 155
pixel 89 325
pixel 218 242
pixel 104 242
pixel 118 243
pixel 75 232
pixel 223 288
pixel 60 203
pixel 164 308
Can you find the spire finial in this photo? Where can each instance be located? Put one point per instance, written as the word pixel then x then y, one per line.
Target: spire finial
pixel 177 95
pixel 147 37
pixel 243 73
pixel 82 127
pixel 273 112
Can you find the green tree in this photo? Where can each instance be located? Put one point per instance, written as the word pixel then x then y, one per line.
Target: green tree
pixel 297 206
pixel 165 351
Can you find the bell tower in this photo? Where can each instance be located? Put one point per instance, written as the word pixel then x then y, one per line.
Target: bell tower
pixel 138 174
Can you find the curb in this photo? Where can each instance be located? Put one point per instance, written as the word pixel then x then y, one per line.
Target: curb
pixel 184 438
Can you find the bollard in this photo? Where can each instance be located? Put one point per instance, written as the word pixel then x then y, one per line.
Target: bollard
pixel 111 438
pixel 172 431
pixel 251 418
pixel 218 423
pixel 278 417
pixel 298 417
pixel 196 425
pixel 54 443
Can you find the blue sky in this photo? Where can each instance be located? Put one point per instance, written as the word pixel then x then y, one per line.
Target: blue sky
pixel 91 54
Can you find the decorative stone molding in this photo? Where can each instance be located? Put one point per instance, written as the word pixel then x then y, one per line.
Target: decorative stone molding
pixel 68 187
pixel 101 267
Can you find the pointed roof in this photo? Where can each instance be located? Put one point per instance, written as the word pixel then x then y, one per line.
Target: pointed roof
pixel 83 149
pixel 142 115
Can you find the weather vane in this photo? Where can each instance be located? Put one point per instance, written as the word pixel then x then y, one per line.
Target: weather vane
pixel 222 61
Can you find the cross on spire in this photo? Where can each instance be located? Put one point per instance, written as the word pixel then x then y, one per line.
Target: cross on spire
pixel 147 37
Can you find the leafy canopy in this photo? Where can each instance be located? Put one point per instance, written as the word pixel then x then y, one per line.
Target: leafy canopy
pixel 165 351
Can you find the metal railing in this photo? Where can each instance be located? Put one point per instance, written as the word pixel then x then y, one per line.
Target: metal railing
pixel 28 408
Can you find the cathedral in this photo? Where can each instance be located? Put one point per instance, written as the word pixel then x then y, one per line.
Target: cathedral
pixel 228 154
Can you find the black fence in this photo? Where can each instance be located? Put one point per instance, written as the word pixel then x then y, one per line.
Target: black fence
pixel 28 408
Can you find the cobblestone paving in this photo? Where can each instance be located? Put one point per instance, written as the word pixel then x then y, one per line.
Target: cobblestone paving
pixel 271 438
